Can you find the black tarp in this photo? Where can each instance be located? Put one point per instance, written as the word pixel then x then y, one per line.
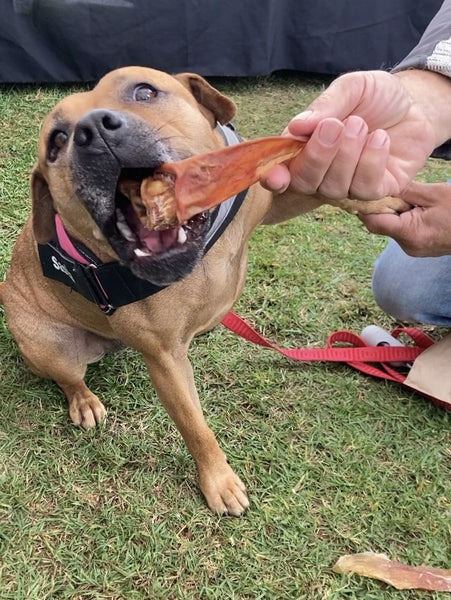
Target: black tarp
pixel 80 40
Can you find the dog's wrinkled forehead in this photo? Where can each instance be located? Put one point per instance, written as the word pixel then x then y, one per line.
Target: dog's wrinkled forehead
pixel 183 103
pixel 119 85
pixel 132 90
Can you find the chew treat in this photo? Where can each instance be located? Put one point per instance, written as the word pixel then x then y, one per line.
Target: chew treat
pixel 157 196
pixel 201 182
pixel 182 189
pixel 399 575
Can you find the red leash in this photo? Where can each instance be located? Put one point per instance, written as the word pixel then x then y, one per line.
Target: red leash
pixel 357 353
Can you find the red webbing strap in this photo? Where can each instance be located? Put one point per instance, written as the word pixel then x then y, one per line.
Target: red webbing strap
pixel 358 354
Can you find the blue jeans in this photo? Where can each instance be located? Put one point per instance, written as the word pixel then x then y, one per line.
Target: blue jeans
pixel 413 289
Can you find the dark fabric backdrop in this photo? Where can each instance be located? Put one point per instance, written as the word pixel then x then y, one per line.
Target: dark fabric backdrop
pixel 80 40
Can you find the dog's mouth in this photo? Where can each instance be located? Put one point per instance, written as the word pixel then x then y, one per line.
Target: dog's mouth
pixel 132 218
pixel 143 248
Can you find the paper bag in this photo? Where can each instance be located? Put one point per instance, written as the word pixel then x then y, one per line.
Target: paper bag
pixel 431 372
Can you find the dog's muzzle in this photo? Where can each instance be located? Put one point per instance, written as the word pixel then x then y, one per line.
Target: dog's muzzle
pixel 112 153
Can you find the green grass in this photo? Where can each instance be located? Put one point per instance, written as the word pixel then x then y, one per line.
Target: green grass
pixel 335 462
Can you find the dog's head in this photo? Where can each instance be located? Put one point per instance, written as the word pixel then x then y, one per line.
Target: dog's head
pixel 95 145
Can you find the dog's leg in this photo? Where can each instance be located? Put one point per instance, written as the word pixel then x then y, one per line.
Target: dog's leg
pixel 85 408
pixel 173 380
pixel 62 353
pixel 68 372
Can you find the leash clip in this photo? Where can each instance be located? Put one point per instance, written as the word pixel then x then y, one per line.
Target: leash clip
pixel 97 290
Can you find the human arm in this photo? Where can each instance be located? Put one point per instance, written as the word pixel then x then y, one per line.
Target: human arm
pixel 371 131
pixel 369 134
pixel 426 229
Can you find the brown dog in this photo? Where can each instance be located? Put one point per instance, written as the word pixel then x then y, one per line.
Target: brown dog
pixel 92 146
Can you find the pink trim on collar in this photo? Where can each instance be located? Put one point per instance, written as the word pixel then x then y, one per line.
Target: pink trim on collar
pixel 66 244
pixel 68 247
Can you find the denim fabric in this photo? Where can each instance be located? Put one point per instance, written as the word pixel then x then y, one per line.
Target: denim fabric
pixel 413 289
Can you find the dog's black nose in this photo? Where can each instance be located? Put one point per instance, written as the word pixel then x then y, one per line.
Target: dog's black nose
pixel 98 125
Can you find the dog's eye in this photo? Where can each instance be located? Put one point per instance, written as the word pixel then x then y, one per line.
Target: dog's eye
pixel 144 93
pixel 57 141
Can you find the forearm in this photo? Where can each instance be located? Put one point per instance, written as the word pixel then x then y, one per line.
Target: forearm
pixel 426 73
pixel 431 93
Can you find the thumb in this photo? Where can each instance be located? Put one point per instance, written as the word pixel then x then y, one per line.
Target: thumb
pixel 426 194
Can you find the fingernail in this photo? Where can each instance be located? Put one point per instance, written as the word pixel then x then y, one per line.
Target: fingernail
pixel 329 132
pixel 303 116
pixel 378 138
pixel 354 126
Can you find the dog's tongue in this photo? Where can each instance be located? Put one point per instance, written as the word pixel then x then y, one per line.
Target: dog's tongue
pixel 155 241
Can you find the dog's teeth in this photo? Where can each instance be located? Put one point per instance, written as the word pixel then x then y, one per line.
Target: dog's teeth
pixel 124 228
pixel 126 231
pixel 181 236
pixel 140 253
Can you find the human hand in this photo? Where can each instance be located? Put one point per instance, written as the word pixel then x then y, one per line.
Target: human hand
pixel 426 229
pixel 367 138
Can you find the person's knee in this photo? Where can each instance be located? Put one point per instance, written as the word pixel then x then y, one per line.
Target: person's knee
pixel 413 289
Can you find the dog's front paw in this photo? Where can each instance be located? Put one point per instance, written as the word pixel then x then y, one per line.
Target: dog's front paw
pixel 224 491
pixel 88 412
pixel 85 409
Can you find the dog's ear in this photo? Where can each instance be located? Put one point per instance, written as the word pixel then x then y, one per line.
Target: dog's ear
pixel 218 107
pixel 42 208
